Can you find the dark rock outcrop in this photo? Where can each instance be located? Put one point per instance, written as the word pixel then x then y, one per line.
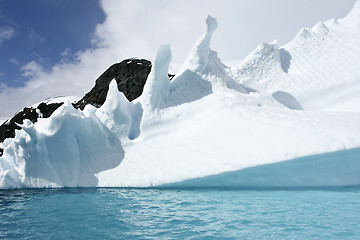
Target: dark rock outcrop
pixel 171 76
pixel 130 75
pixel 47 109
pixel 7 129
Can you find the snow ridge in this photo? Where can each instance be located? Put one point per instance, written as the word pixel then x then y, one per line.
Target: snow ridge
pixel 319 62
pixel 262 66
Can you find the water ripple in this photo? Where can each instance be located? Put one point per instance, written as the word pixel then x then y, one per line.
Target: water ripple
pixel 178 214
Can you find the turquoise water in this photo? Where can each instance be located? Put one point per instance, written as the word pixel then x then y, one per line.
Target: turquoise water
pixel 99 213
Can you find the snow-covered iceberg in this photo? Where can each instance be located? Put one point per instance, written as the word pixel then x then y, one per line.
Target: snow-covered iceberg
pixel 286 116
pixel 70 147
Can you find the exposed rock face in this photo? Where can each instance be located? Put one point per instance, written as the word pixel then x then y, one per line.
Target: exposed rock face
pixel 44 110
pixel 130 75
pixel 47 109
pixel 7 129
pixel 171 76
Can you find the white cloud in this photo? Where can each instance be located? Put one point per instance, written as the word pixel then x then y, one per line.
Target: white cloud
pixel 66 52
pixel 6 33
pixel 32 69
pixel 14 61
pixel 35 37
pixel 67 56
pixel 136 28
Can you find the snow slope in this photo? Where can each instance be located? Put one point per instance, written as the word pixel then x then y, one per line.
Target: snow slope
pixel 320 67
pixel 260 124
pixel 237 131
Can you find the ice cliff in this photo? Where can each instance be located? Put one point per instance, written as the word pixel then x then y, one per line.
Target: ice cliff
pixel 286 116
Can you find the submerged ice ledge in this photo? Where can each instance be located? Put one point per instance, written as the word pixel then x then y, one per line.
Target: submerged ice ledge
pixel 340 168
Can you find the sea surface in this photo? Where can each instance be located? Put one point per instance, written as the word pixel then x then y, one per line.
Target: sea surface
pixel 199 213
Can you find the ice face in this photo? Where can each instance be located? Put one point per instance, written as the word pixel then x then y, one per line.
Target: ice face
pixel 67 149
pixel 157 87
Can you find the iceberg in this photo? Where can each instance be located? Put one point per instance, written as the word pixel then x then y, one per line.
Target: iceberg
pixel 285 116
pixel 67 149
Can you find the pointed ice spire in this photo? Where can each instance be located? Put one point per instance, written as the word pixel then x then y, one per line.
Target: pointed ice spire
pixel 198 57
pixel 115 112
pixel 157 86
pixel 119 115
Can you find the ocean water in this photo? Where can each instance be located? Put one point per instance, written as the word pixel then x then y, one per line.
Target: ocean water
pixel 209 213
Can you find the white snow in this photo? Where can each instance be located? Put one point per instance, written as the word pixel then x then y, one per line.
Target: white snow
pixel 157 87
pixel 286 116
pixel 237 131
pixel 320 67
pixel 59 99
pixel 66 149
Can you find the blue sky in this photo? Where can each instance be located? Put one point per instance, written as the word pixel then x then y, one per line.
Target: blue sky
pixel 44 31
pixel 52 48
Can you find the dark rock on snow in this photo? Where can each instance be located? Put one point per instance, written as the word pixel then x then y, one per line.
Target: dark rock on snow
pixel 171 76
pixel 47 109
pixel 130 75
pixel 7 129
